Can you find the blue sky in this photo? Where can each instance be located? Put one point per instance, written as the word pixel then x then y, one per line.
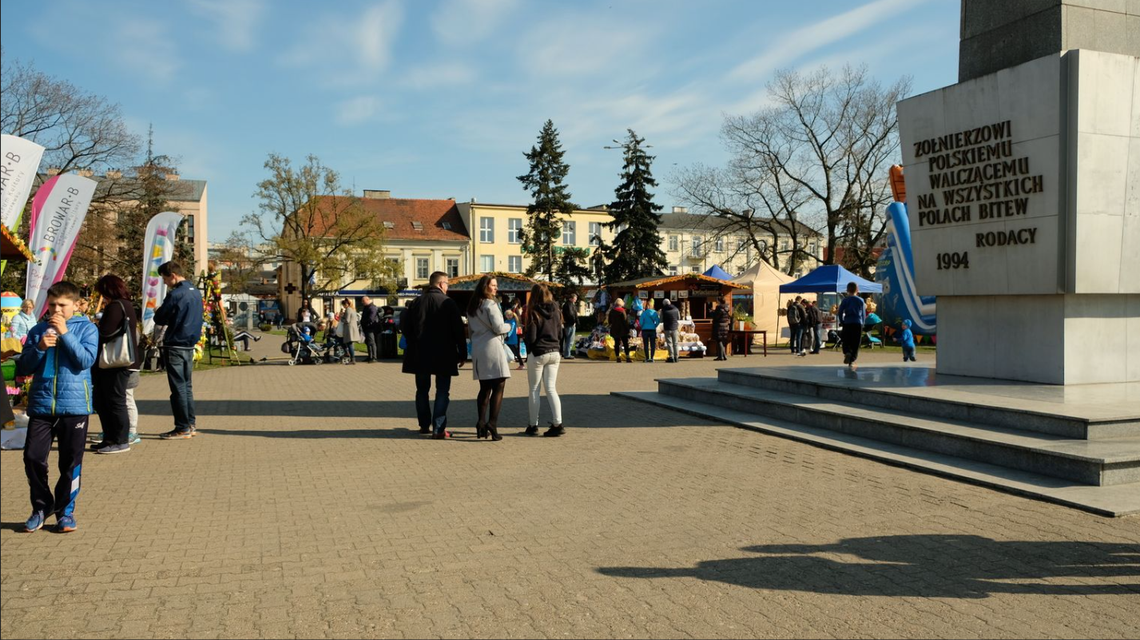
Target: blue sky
pixel 438 99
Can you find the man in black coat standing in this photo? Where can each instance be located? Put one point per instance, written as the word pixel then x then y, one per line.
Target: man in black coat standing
pixel 436 346
pixel 569 325
pixel 370 326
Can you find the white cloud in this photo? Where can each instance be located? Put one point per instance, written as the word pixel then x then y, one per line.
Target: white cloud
pixel 349 50
pixel 582 45
pixel 237 21
pixel 457 22
pixel 357 110
pixel 791 47
pixel 146 47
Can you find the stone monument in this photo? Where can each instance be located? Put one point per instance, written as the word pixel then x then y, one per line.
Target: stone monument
pixel 1023 192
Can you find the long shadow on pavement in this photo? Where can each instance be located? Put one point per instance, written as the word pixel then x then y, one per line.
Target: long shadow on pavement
pixel 930 566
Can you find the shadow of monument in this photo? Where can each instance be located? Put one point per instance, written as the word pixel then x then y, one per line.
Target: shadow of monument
pixel 932 566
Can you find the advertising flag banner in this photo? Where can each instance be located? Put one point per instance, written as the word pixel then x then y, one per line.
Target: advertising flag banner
pixel 58 211
pixel 159 248
pixel 19 161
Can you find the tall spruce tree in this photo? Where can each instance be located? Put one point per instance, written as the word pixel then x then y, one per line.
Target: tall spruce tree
pixel 636 249
pixel 150 197
pixel 546 183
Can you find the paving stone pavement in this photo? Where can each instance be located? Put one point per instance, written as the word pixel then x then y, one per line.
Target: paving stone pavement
pixel 310 507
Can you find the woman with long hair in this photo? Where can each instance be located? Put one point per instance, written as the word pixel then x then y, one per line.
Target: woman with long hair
pixel 543 336
pixel 350 329
pixel 489 362
pixel 109 385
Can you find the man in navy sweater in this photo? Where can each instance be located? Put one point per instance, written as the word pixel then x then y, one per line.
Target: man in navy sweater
pixel 181 314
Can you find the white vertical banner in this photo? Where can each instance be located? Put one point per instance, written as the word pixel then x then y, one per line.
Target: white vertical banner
pixel 159 248
pixel 19 161
pixel 58 211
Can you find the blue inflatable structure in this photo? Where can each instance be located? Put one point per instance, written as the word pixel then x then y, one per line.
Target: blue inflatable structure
pixel 895 271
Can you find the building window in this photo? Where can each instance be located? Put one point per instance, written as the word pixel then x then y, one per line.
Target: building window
pixel 486 229
pixel 423 268
pixel 812 248
pixel 190 228
pixel 739 245
pixel 514 264
pixel 361 269
pixel 673 244
pixel 570 233
pixel 514 230
pixel 784 244
pixel 452 268
pixel 696 250
pixel 720 245
pixel 673 270
pixel 763 247
pixel 694 269
pixel 595 234
pixel 486 264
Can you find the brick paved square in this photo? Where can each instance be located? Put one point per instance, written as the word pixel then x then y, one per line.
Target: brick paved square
pixel 310 507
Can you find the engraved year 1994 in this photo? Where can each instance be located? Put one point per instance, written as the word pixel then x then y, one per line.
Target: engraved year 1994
pixel 953 260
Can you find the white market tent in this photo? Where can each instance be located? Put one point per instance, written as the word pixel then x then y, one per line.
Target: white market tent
pixel 765 283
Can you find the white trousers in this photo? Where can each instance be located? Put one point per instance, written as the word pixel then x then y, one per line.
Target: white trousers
pixel 542 371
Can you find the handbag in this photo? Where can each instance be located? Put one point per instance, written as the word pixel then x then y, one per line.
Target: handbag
pixel 119 351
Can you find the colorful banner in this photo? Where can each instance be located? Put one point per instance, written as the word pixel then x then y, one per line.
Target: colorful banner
pixel 19 161
pixel 58 211
pixel 159 248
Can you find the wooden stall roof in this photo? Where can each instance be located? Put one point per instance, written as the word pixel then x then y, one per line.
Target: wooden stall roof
pixel 12 248
pixel 508 282
pixel 679 281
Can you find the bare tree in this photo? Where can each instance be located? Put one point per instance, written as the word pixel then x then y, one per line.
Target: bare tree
pixel 309 219
pixel 818 155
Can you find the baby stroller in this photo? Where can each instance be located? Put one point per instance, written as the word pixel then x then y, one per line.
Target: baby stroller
pixel 303 348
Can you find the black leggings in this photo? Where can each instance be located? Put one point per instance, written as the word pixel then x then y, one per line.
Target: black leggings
pixel 490 400
pixel 110 399
pixel 514 347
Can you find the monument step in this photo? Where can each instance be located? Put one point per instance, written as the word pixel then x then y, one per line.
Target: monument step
pixel 1113 501
pixel 1099 462
pixel 1093 412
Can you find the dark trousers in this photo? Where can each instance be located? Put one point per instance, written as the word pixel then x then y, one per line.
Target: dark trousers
pixel 619 341
pixel 568 335
pixel 722 349
pixel 71 433
pixel 514 347
pixel 350 350
pixel 649 343
pixel 437 419
pixel 818 341
pixel 110 399
pixel 370 342
pixel 852 336
pixel 179 374
pixel 796 332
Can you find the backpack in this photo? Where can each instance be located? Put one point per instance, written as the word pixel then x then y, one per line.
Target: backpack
pixel 795 314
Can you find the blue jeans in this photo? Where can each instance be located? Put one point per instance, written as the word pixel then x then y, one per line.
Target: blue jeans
pixel 568 334
pixel 179 369
pixel 797 331
pixel 437 420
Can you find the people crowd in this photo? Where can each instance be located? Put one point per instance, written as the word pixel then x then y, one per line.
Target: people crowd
pixel 79 367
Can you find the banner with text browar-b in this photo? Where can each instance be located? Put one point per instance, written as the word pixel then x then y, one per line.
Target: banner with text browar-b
pixel 19 161
pixel 159 248
pixel 58 211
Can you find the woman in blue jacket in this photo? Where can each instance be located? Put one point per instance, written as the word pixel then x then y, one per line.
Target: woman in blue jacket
pixel 58 354
pixel 649 321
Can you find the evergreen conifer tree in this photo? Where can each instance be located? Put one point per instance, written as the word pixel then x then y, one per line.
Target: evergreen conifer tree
pixel 636 249
pixel 546 183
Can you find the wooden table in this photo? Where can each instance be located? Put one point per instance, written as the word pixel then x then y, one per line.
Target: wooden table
pixel 746 337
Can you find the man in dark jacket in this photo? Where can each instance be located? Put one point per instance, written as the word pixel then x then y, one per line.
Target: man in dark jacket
pixel 619 330
pixel 721 326
pixel 436 346
pixel 181 314
pixel 370 326
pixel 815 321
pixel 671 322
pixel 569 325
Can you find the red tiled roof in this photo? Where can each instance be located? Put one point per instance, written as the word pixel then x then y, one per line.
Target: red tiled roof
pixel 399 214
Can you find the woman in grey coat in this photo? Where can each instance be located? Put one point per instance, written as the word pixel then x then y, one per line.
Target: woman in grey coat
pixel 350 331
pixel 490 364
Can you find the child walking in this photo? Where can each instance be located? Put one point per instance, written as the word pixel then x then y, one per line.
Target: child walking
pixel 59 354
pixel 906 339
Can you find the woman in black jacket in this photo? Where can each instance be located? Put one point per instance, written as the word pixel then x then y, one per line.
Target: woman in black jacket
pixel 109 386
pixel 543 337
pixel 721 325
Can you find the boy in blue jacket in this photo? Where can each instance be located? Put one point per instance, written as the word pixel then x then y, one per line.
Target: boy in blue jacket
pixel 906 339
pixel 58 354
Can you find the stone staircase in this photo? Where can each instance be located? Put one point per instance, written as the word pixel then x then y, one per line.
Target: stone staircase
pixel 1045 450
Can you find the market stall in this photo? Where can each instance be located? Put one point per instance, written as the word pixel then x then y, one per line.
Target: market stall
pixel 830 278
pixel 693 294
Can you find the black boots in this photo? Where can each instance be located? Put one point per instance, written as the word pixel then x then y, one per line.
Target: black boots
pixel 554 431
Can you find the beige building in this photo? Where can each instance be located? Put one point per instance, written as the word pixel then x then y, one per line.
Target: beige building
pixel 694 243
pixel 421 235
pixel 495 244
